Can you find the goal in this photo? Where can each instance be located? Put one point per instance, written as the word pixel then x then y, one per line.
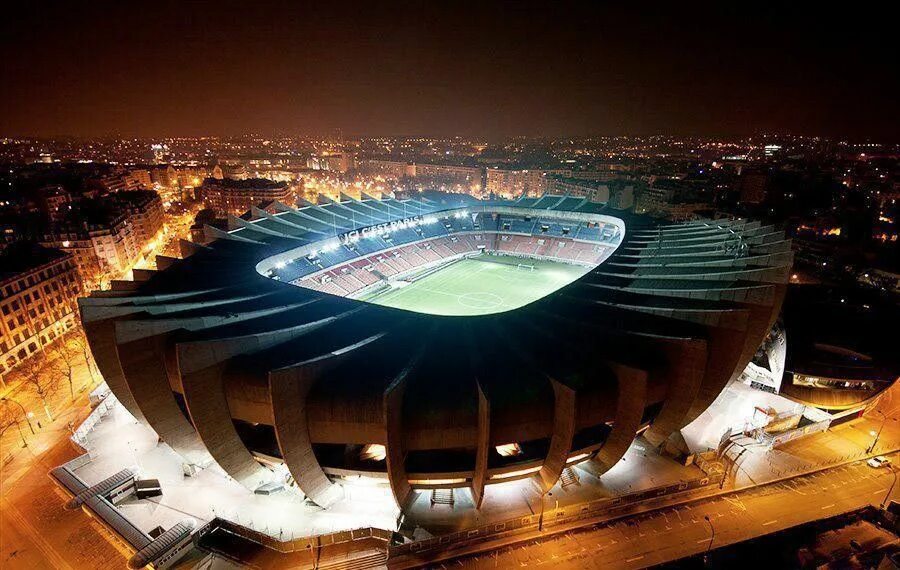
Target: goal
pixel 525 267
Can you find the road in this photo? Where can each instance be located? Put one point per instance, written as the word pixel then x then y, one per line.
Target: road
pixel 177 227
pixel 674 532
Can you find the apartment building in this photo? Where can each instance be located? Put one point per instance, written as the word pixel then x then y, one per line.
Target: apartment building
pixel 38 291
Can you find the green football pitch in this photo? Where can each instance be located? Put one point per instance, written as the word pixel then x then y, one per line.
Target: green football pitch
pixel 478 286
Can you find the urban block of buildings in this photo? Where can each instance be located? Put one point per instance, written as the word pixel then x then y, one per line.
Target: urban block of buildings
pixel 38 291
pixel 231 196
pixel 108 237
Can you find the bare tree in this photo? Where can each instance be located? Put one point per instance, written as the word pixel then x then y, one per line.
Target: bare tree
pixel 41 379
pixel 79 341
pixel 9 417
pixel 65 356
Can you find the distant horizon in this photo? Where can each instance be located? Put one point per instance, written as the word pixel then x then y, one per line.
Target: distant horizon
pixel 484 69
pixel 860 139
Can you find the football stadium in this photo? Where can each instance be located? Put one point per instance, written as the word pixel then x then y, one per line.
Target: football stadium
pixel 435 342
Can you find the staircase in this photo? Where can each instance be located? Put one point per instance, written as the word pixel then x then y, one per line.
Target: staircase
pixel 568 478
pixel 373 560
pixel 442 497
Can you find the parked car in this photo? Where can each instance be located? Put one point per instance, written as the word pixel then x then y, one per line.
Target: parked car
pixel 878 462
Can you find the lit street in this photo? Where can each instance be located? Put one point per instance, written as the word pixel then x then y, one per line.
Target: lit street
pixel 671 533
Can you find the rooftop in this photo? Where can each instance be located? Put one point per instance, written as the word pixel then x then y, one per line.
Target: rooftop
pixel 248 183
pixel 21 257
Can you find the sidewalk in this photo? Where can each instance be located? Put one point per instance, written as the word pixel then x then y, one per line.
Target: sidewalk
pixel 641 469
pixel 47 432
pixel 758 465
pixel 35 529
pixel 571 521
pixel 842 443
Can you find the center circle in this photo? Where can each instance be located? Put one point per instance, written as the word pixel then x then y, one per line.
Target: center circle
pixel 480 300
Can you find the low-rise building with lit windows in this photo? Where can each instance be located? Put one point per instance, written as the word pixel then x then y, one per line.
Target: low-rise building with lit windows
pixel 38 291
pixel 229 196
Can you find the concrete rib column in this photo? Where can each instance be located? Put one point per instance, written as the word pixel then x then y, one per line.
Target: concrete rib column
pixel 685 366
pixel 479 476
pixel 144 364
pixel 561 438
pixel 101 337
pixel 759 326
pixel 630 403
pixel 204 393
pixel 725 348
pixel 203 365
pixel 289 388
pixel 394 447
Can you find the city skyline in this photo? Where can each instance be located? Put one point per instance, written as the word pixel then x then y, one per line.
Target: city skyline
pixel 497 284
pixel 490 71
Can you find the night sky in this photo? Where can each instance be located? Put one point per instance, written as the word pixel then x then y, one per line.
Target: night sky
pixel 134 68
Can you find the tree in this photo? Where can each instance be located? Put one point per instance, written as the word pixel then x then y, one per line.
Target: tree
pixel 9 417
pixel 65 359
pixel 79 341
pixel 41 379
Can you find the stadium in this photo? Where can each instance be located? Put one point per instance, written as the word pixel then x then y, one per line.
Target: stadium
pixel 437 341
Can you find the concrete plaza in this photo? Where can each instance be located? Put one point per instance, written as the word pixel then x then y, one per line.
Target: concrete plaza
pixel 119 441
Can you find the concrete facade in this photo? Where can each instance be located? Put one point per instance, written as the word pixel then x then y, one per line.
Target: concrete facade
pixel 238 370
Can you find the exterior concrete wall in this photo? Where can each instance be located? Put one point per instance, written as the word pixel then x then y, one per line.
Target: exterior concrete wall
pixel 289 388
pixel 561 439
pixel 685 367
pixel 630 401
pixel 143 362
pixel 479 476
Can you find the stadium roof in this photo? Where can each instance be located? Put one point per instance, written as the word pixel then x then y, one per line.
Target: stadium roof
pixel 213 327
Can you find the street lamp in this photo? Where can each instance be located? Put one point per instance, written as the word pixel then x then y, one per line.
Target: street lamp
pixel 541 518
pixel 19 428
pixel 878 434
pixel 28 415
pixel 891 488
pixel 712 537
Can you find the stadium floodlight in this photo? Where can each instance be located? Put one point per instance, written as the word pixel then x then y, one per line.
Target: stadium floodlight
pixel 279 265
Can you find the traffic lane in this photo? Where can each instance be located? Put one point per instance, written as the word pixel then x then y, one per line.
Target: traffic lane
pixel 679 531
pixel 762 511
